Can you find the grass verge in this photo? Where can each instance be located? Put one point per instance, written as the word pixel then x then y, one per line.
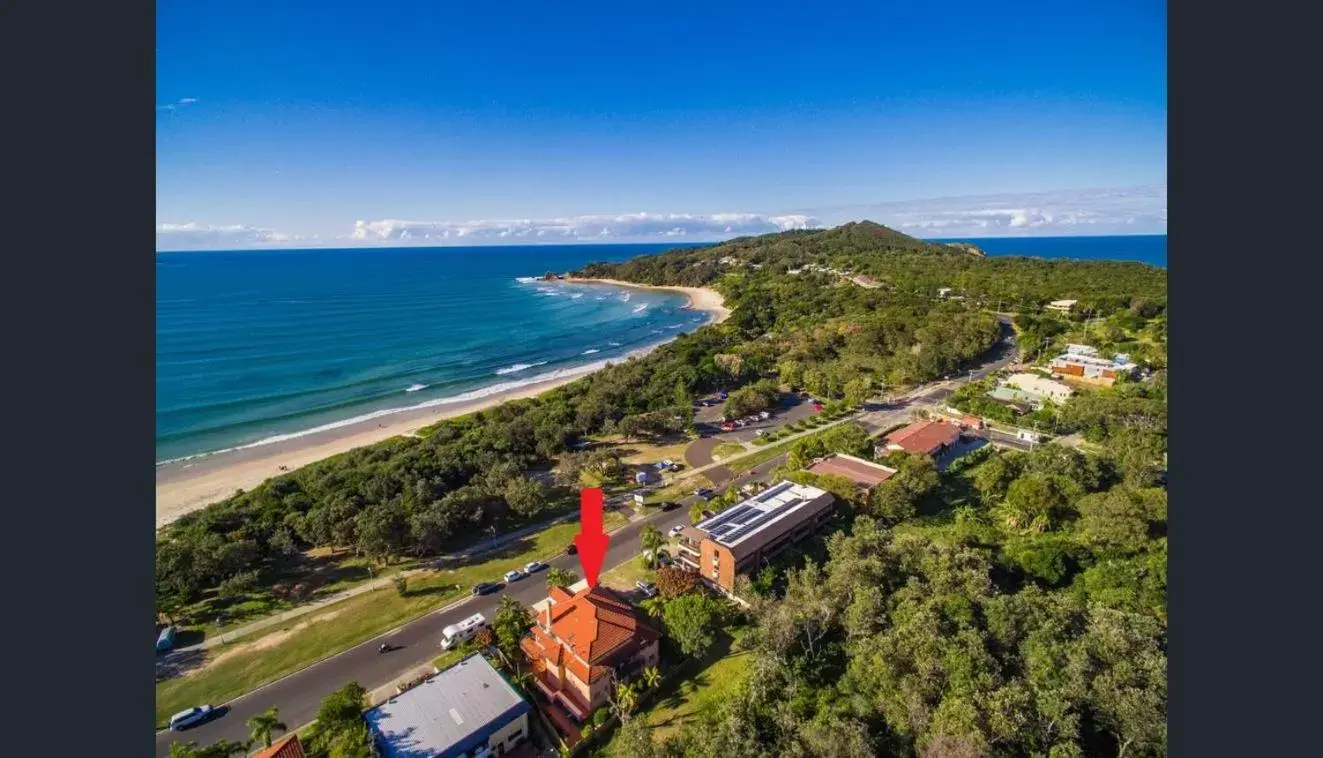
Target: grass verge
pixel 233 669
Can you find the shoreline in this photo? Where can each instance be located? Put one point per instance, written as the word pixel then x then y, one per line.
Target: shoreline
pixel 192 483
pixel 702 299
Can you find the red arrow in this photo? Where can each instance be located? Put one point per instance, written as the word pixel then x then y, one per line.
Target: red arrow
pixel 591 540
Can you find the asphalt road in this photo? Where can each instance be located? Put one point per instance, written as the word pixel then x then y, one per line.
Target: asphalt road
pixel 298 695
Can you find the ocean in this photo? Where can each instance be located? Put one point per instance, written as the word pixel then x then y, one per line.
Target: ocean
pixel 261 346
pixel 1144 248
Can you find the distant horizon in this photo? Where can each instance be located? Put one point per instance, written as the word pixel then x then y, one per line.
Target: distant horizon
pixel 613 243
pixel 1096 212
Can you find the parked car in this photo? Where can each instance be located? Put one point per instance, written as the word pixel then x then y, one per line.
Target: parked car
pixel 166 639
pixel 704 493
pixel 534 567
pixel 760 432
pixel 729 426
pixel 817 407
pixel 184 719
pixel 647 588
pixel 764 415
pixel 669 505
pixel 722 396
pixel 675 530
pixel 514 576
pixel 485 588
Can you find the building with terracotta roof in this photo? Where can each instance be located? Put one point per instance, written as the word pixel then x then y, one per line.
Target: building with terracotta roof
pixel 864 473
pixel 926 437
pixel 468 709
pixel 581 641
pixel 289 747
pixel 739 539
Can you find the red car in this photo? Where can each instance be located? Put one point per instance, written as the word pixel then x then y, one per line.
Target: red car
pixel 817 407
pixel 728 426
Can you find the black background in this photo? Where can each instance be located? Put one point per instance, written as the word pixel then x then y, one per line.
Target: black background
pixel 78 298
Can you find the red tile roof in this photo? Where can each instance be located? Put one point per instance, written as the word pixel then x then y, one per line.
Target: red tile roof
pixel 288 747
pixel 588 632
pixel 924 437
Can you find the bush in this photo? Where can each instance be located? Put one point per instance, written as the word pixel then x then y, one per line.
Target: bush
pixel 401 585
pixel 238 585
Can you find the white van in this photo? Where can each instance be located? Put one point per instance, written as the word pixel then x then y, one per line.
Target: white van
pixel 464 630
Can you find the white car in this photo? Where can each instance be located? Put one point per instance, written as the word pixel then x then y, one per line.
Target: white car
pixel 514 576
pixel 534 567
pixel 184 719
pixel 675 530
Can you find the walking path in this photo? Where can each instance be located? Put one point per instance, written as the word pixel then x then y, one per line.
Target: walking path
pixel 368 586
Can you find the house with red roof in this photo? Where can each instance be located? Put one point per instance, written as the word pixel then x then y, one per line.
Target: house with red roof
pixel 581 640
pixel 926 437
pixel 289 747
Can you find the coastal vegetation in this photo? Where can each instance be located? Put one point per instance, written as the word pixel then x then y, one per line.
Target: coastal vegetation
pixel 485 473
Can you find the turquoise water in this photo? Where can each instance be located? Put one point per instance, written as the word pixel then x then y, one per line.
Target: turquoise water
pixel 256 346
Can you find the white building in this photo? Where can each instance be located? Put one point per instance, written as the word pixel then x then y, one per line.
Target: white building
pixel 1040 387
pixel 469 709
pixel 943 291
pixel 1062 306
pixel 1088 350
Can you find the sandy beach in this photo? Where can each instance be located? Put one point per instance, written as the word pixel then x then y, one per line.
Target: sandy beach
pixel 700 298
pixel 184 486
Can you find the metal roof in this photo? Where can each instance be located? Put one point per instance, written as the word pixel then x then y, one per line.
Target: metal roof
pixel 751 516
pixel 449 713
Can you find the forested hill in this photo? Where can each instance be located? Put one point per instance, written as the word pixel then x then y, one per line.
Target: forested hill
pixel 901 263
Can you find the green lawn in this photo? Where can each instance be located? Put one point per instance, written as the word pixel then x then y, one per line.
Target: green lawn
pixel 727 449
pixel 622 577
pixel 683 699
pixel 268 654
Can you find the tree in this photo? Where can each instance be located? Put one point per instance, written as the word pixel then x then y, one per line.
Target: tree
pixel 525 496
pixel 896 499
pixel 651 677
pixel 1033 503
pixel 673 582
pixel 220 749
pixel 511 623
pixel 264 724
pixel 858 390
pixel 696 512
pixel 559 577
pixel 627 699
pixel 341 709
pixel 653 606
pixel 401 583
pixel 651 538
pixel 1114 520
pixel 691 620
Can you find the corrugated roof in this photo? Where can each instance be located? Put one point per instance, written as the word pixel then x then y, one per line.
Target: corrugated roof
pixel 924 436
pixel 855 469
pixel 447 711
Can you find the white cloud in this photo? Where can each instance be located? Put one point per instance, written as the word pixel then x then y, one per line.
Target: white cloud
pixel 617 228
pixel 1134 210
pixel 193 236
pixel 1131 210
pixel 177 104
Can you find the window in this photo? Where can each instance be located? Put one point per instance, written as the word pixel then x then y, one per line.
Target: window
pixel 515 736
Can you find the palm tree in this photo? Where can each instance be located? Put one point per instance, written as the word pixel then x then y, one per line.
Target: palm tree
pixel 264 724
pixel 626 698
pixel 651 538
pixel 651 677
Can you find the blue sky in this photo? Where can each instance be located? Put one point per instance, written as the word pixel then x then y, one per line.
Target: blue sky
pixel 290 123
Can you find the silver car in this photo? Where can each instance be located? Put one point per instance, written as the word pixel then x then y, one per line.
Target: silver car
pixel 184 719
